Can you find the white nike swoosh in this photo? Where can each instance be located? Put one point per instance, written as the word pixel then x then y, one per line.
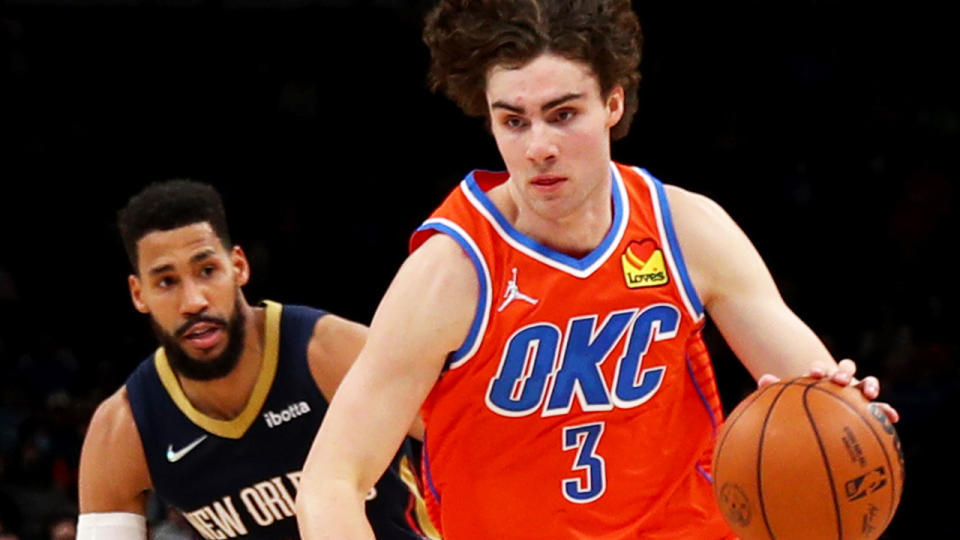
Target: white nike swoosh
pixel 174 457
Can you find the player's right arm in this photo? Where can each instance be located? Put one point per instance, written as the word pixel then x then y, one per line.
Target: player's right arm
pixel 425 314
pixel 113 480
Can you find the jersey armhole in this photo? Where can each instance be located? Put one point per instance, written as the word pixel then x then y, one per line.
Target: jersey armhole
pixel 297 327
pixel 673 253
pixel 482 315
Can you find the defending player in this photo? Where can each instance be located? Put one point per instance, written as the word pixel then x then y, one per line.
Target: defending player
pixel 219 419
pixel 548 318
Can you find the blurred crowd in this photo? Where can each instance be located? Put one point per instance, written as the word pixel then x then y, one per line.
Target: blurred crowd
pixel 46 401
pixel 45 404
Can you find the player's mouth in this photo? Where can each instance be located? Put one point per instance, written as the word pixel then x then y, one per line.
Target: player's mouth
pixel 547 183
pixel 204 335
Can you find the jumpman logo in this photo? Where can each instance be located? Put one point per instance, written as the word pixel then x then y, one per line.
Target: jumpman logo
pixel 513 293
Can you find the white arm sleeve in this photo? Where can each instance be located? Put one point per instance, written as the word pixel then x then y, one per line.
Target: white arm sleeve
pixel 111 526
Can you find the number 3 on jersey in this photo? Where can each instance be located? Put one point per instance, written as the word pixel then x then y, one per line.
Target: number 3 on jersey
pixel 590 486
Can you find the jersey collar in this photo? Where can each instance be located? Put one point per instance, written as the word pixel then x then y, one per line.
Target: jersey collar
pixel 236 427
pixel 579 267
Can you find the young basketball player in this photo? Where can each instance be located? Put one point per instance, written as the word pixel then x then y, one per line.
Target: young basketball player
pixel 218 421
pixel 547 321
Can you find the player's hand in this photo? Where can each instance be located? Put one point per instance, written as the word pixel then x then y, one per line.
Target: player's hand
pixel 843 375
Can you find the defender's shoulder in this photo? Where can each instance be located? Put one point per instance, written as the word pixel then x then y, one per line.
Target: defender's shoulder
pixel 113 472
pixel 333 347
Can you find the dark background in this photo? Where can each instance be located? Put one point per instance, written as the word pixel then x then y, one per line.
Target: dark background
pixel 830 133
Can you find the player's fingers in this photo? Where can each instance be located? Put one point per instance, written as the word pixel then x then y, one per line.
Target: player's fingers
pixel 870 387
pixel 888 410
pixel 817 372
pixel 844 372
pixel 767 379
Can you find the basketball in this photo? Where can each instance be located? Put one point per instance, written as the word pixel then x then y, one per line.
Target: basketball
pixel 808 459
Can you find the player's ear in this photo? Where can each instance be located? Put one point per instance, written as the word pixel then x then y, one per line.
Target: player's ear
pixel 136 293
pixel 241 266
pixel 614 105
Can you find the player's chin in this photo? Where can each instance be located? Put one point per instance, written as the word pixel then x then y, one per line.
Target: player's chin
pixel 556 205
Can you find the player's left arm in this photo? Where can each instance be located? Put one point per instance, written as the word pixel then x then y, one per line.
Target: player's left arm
pixel 742 299
pixel 335 344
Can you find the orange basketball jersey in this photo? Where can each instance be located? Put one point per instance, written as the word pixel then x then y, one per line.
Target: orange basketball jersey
pixel 582 403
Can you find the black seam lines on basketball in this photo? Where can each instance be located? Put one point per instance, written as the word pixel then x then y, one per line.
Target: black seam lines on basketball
pixel 886 456
pixel 729 425
pixel 763 435
pixel 826 461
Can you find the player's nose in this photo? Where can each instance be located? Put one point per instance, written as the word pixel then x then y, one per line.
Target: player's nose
pixel 541 149
pixel 194 298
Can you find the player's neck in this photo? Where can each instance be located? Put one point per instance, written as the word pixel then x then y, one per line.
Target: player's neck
pixel 576 232
pixel 226 397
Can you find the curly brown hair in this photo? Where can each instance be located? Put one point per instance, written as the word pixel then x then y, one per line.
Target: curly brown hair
pixel 468 37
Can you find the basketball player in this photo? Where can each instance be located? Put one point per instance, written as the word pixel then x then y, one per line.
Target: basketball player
pixel 218 421
pixel 547 321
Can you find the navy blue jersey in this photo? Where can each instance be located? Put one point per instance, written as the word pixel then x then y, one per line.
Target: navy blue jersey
pixel 239 477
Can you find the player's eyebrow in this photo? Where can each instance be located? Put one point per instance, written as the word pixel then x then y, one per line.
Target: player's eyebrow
pixel 203 255
pixel 499 104
pixel 199 257
pixel 504 105
pixel 560 101
pixel 160 269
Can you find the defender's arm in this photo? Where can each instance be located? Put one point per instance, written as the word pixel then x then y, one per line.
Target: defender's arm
pixel 334 347
pixel 113 478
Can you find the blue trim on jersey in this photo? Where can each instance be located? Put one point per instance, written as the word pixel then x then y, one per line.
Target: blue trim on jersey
pixel 704 473
pixel 426 466
pixel 703 397
pixel 533 245
pixel 675 247
pixel 473 335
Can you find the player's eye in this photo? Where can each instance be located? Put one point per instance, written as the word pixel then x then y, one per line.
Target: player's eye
pixel 515 122
pixel 208 270
pixel 564 115
pixel 166 282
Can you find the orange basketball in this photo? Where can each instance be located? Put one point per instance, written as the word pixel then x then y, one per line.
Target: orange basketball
pixel 808 459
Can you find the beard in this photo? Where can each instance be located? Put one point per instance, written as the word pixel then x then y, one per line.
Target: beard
pixel 212 368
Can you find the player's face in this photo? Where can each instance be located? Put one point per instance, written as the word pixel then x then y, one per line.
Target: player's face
pixel 189 284
pixel 552 127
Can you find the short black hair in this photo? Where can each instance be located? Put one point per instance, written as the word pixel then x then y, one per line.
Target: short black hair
pixel 171 204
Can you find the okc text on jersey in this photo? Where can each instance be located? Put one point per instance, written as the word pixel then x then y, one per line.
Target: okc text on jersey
pixel 527 379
